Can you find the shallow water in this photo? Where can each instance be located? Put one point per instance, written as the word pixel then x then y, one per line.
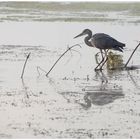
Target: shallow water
pixel 74 101
pixel 127 12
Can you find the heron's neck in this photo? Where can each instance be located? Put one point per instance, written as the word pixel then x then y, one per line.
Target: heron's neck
pixel 87 40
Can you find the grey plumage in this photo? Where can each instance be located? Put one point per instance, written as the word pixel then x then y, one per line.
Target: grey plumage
pixel 102 42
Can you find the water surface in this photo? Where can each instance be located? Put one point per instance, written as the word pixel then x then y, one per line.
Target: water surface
pixel 74 101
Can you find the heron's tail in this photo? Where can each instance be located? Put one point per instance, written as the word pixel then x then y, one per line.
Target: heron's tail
pixel 120 46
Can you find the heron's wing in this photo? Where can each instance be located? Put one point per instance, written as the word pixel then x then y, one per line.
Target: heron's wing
pixel 104 41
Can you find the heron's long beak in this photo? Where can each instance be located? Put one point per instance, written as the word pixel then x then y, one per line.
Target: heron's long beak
pixel 79 35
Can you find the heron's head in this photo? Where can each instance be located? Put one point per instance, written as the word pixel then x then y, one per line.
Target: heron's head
pixel 86 31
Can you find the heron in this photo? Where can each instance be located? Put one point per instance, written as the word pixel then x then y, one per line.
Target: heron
pixel 103 42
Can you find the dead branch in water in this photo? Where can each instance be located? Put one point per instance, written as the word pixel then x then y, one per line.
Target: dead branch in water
pixel 25 88
pixel 40 69
pixel 61 57
pixel 131 55
pixel 72 55
pixel 25 65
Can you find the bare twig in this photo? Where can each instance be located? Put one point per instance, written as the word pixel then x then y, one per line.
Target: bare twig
pixel 76 51
pixel 61 57
pixel 133 80
pixel 25 88
pixel 72 55
pixel 40 69
pixel 131 55
pixel 137 41
pixel 96 57
pixel 25 65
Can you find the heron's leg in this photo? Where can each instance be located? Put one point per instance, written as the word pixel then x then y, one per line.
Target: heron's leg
pixel 101 60
pixel 105 59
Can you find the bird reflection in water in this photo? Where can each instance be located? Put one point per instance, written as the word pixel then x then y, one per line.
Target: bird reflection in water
pixel 102 95
pixel 101 98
